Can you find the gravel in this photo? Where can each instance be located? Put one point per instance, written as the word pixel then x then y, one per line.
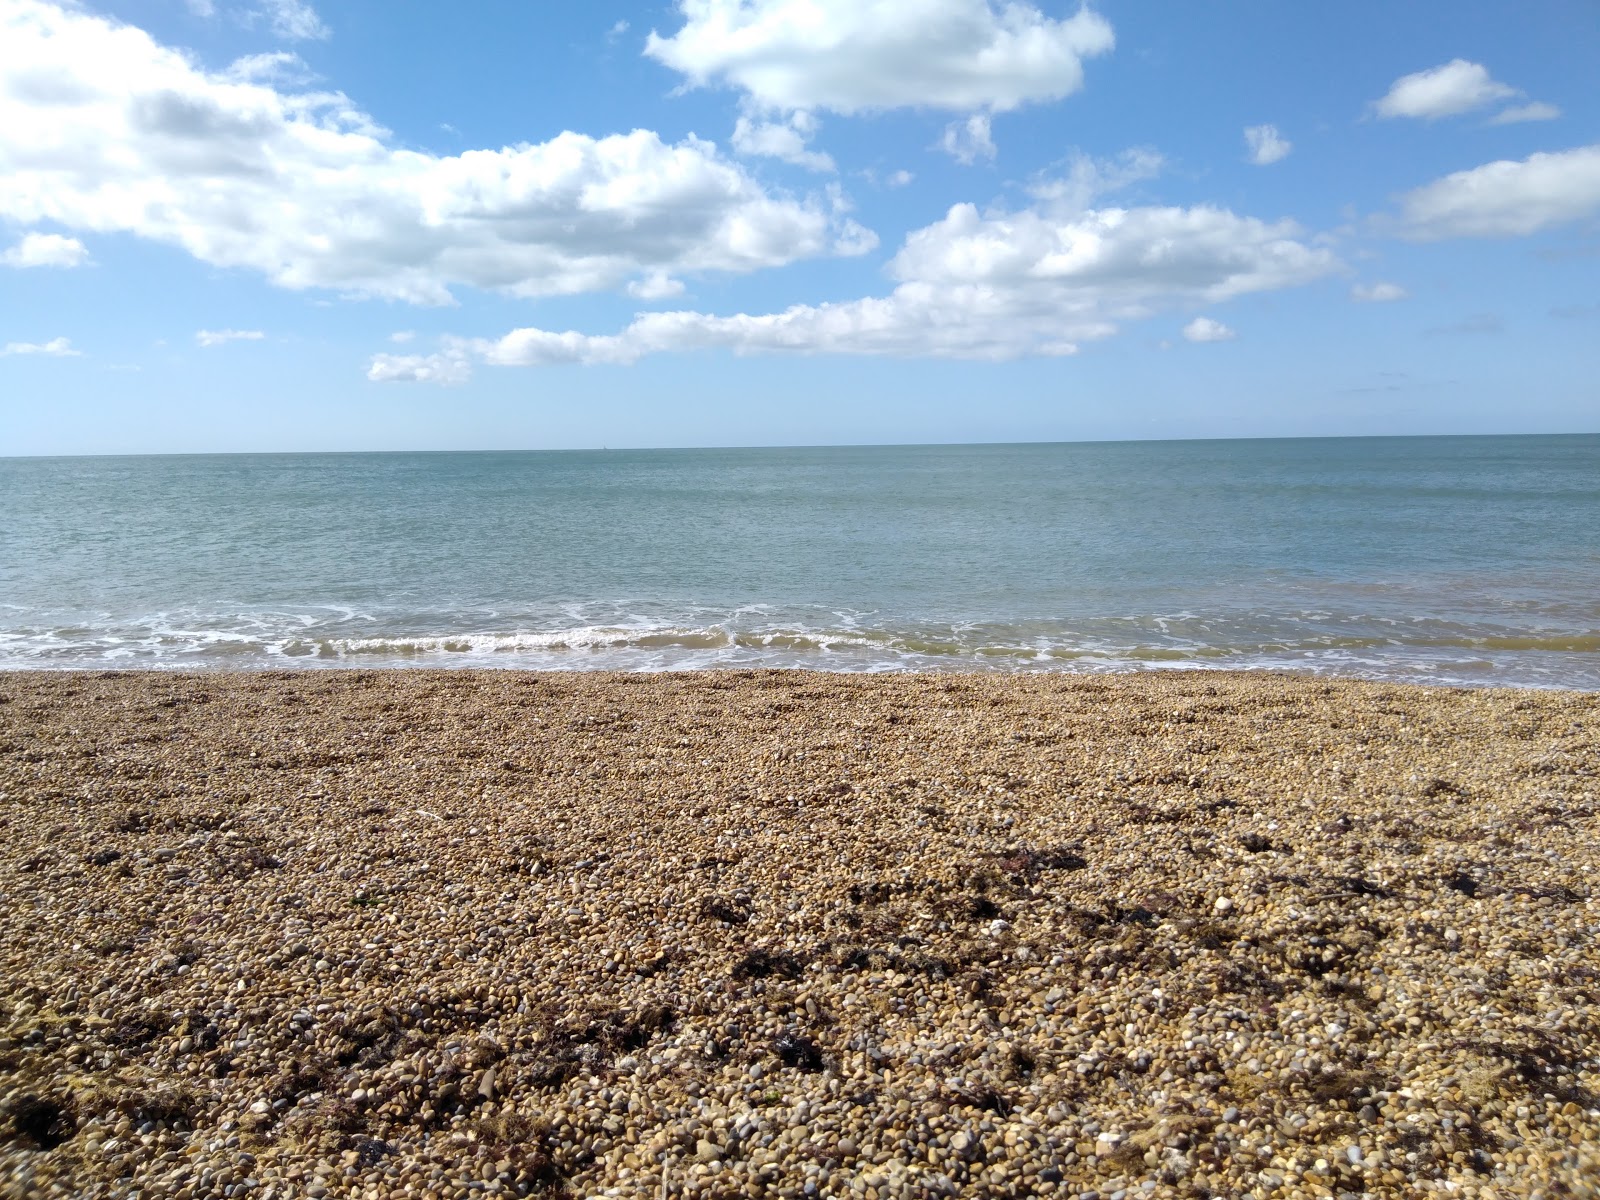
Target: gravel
pixel 462 934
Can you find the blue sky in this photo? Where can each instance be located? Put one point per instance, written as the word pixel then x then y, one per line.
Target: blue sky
pixel 268 225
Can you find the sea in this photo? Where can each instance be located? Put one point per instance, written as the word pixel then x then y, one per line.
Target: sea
pixel 1448 560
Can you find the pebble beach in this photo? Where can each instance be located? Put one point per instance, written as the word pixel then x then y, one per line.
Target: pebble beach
pixel 452 934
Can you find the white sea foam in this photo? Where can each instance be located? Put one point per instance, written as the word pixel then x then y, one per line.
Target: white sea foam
pixel 823 638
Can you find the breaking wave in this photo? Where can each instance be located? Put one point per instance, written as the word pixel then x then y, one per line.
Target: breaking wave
pixel 1312 642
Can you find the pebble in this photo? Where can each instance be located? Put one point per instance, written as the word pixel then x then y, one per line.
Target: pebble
pixel 758 932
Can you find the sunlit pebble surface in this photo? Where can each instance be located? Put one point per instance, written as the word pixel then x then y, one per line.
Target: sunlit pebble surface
pixel 781 934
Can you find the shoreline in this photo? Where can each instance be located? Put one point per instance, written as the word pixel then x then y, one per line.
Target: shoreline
pixel 312 668
pixel 418 931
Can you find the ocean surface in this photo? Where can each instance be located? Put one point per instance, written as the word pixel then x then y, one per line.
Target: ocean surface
pixel 1462 560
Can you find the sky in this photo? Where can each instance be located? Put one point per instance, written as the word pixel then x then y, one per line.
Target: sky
pixel 268 225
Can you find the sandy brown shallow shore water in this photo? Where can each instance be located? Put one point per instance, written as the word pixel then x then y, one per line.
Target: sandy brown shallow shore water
pixel 439 934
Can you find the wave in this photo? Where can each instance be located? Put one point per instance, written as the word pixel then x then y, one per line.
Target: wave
pixel 1319 641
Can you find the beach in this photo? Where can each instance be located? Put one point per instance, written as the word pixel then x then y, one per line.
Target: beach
pixel 421 933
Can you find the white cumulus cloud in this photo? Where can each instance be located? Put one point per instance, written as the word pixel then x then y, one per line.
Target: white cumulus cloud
pixel 981 285
pixel 655 287
pixel 1378 293
pixel 419 368
pixel 969 140
pixel 1456 87
pixel 787 139
pixel 55 348
pixel 221 337
pixel 103 129
pixel 849 56
pixel 46 250
pixel 1538 110
pixel 1204 329
pixel 1506 198
pixel 1266 144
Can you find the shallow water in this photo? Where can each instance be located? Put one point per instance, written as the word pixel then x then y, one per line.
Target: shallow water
pixel 1455 560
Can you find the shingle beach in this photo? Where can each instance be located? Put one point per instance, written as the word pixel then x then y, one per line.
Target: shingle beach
pixel 456 934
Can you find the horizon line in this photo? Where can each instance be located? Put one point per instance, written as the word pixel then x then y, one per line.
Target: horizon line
pixel 608 449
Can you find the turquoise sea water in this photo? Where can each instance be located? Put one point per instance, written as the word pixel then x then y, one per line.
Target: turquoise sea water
pixel 1463 560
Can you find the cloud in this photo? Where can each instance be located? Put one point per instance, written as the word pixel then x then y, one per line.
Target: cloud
pixel 899 179
pixel 102 129
pixel 1538 110
pixel 1204 329
pixel 1086 179
pixel 401 336
pixel 277 66
pixel 851 56
pixel 785 139
pixel 221 337
pixel 46 250
pixel 1378 293
pixel 967 141
pixel 655 287
pixel 419 368
pixel 1506 198
pixel 995 285
pixel 294 20
pixel 1266 144
pixel 1456 87
pixel 55 348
